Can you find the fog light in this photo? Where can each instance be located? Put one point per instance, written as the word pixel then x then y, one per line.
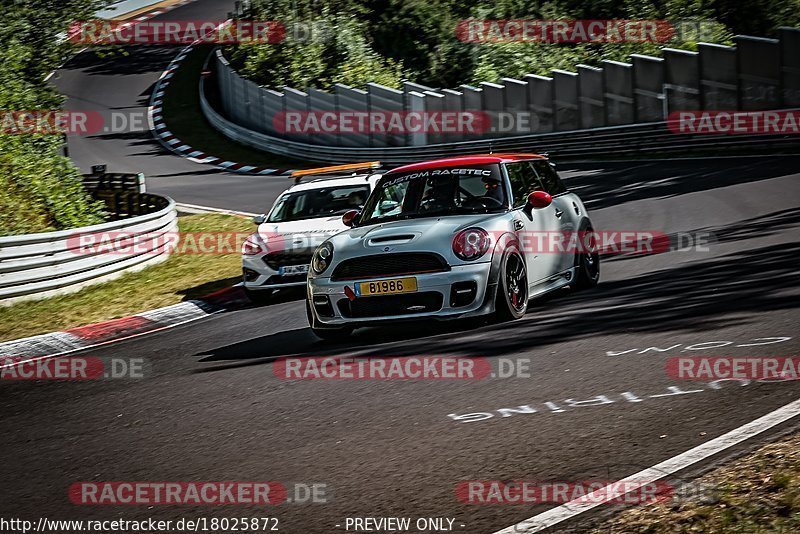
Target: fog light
pixel 322 303
pixel 463 293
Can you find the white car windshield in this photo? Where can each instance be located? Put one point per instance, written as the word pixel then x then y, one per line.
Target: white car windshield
pixel 323 202
pixel 435 192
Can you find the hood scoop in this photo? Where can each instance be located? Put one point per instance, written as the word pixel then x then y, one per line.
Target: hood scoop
pixel 397 239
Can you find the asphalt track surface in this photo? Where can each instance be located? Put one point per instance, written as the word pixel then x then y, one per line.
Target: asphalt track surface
pixel 122 84
pixel 212 408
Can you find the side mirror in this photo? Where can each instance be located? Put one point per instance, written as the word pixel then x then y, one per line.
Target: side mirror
pixel 539 199
pixel 260 219
pixel 349 218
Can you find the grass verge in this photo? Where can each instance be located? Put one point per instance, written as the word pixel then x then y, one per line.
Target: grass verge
pixel 184 118
pixel 181 277
pixel 757 493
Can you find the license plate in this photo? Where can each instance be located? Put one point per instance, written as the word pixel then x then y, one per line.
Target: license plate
pixel 387 287
pixel 293 269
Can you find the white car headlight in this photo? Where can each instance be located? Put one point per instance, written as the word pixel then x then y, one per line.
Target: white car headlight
pixel 253 245
pixel 323 257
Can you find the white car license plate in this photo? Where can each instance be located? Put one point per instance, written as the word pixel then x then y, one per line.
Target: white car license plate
pixel 293 269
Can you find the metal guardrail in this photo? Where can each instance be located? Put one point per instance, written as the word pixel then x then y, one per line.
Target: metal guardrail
pixel 46 263
pixel 652 137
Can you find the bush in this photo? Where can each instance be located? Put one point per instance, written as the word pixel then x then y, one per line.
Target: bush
pixel 40 190
pixel 344 56
pixel 387 40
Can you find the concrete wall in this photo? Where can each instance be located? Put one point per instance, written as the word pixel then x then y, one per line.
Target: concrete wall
pixel 756 74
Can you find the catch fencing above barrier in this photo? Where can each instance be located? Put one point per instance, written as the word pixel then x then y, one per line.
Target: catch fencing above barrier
pixel 43 264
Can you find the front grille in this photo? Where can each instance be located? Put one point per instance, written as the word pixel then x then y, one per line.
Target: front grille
pixel 388 305
pixel 380 265
pixel 279 259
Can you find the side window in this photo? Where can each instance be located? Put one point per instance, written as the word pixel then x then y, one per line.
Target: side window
pixel 549 178
pixel 389 200
pixel 523 181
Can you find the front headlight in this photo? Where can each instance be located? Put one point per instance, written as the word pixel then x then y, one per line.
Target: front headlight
pixel 322 258
pixel 253 245
pixel 471 244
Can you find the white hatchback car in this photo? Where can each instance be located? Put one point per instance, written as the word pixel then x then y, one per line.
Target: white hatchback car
pixel 278 254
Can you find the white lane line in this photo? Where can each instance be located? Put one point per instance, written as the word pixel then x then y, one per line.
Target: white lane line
pixel 576 507
pixel 194 208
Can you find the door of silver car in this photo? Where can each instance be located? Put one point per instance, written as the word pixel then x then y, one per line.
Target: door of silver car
pixel 536 228
pixel 565 210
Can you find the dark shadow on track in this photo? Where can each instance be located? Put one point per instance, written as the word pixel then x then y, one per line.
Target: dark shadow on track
pixel 759 227
pixel 202 290
pixel 139 59
pixel 724 291
pixel 621 184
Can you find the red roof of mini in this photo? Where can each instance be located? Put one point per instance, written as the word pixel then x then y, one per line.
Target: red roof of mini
pixel 479 159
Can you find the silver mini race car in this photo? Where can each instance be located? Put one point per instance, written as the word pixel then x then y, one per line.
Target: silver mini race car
pixel 459 237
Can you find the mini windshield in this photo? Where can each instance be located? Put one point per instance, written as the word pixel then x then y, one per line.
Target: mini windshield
pixel 323 202
pixel 436 192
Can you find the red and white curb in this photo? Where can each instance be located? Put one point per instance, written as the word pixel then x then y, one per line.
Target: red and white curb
pixel 160 131
pixel 84 337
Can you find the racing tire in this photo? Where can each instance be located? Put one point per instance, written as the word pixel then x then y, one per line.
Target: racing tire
pixel 512 288
pixel 260 297
pixel 587 264
pixel 331 334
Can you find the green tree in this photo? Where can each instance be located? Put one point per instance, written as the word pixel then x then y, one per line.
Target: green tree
pixel 40 189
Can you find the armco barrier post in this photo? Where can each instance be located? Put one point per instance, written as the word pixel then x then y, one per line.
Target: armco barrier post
pixel 759 66
pixel 648 87
pixel 718 78
pixel 682 79
pixel 516 104
pixel 790 66
pixel 385 99
pixel 565 101
pixel 415 103
pixel 273 104
pixel 590 97
pixel 434 103
pixel 454 102
pixel 540 101
pixel 492 103
pixel 238 98
pixel 252 105
pixel 320 102
pixel 618 92
pixel 349 99
pixel 297 101
pixel 419 88
pixel 224 75
pixel 473 101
